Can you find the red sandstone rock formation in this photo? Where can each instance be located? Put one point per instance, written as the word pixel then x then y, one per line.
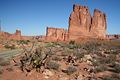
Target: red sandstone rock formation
pixel 16 35
pixel 113 36
pixel 99 25
pixel 79 22
pixel 56 34
pixel 82 24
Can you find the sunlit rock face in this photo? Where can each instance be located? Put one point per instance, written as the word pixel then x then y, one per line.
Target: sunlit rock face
pixel 56 34
pixel 16 36
pixel 99 25
pixel 81 23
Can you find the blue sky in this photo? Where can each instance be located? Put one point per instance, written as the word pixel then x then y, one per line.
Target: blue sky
pixel 33 16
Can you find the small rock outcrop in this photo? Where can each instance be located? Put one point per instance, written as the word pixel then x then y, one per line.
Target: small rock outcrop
pixel 17 35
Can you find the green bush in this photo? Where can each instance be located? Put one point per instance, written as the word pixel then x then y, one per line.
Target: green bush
pixel 53 65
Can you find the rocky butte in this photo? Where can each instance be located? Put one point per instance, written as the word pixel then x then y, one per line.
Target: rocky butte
pixel 56 34
pixel 81 24
pixel 16 36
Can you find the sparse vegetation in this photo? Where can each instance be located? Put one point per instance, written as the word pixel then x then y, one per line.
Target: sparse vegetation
pixel 100 68
pixel 23 41
pixel 9 46
pixel 92 46
pixel 95 56
pixel 72 42
pixel 70 70
pixel 116 67
pixel 112 77
pixel 53 65
pixel 57 58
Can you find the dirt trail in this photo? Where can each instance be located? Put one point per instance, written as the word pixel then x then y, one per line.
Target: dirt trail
pixel 10 53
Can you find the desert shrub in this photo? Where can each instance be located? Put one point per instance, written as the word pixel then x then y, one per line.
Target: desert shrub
pixel 107 60
pixel 34 59
pixel 70 70
pixel 23 41
pixel 100 68
pixel 37 58
pixel 57 58
pixel 9 46
pixel 116 68
pixel 95 62
pixel 72 42
pixel 54 44
pixel 62 44
pixel 70 46
pixel 66 52
pixel 53 65
pixel 91 46
pixel 108 78
pixel 113 77
pixel 115 52
pixel 79 55
pixel 49 51
pixel 50 44
pixel 73 46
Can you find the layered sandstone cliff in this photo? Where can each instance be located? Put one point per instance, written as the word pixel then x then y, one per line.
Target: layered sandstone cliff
pixel 16 36
pixel 54 34
pixel 82 24
pixel 99 24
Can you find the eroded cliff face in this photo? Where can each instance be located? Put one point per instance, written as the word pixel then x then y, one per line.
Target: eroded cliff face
pixel 82 24
pixel 17 35
pixel 79 21
pixel 99 25
pixel 56 34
